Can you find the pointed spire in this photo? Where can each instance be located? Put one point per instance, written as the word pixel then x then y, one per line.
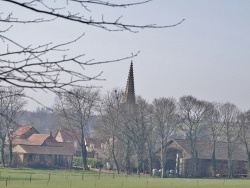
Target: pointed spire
pixel 130 88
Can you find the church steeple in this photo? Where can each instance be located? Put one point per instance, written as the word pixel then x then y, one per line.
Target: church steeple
pixel 130 88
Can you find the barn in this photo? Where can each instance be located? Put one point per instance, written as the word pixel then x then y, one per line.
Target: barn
pixel 179 158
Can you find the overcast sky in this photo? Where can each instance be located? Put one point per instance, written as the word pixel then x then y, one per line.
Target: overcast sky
pixel 207 56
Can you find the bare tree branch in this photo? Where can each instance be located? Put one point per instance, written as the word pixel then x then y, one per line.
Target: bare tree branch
pixel 48 66
pixel 107 25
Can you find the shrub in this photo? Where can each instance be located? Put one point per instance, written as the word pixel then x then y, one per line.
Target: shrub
pixel 77 161
pixel 95 163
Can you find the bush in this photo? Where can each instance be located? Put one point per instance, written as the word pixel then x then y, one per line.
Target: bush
pixel 77 161
pixel 95 163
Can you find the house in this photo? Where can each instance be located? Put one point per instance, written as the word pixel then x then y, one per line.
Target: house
pixel 93 146
pixel 24 132
pixel 180 148
pixel 32 149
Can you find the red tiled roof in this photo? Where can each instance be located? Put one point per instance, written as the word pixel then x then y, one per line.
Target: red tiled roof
pixel 21 130
pixel 39 139
pixel 36 140
pixel 36 137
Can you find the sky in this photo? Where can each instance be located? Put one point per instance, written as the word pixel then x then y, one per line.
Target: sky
pixel 207 56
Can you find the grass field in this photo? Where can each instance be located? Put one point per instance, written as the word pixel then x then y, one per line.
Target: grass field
pixel 84 179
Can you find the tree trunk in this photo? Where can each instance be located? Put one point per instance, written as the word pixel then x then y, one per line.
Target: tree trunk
pixel 84 153
pixel 229 161
pixel 139 159
pixel 10 153
pixel 2 151
pixel 248 158
pixel 150 158
pixel 114 157
pixel 127 157
pixel 84 156
pixel 177 165
pixel 196 169
pixel 194 160
pixel 214 162
pixel 229 167
pixel 162 159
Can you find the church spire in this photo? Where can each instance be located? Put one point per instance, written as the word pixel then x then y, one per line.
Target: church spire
pixel 130 88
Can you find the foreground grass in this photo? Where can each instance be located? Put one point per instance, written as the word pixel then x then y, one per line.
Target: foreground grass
pixel 14 178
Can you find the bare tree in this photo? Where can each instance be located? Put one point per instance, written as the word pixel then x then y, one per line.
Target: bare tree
pixel 151 140
pixel 125 120
pixel 215 127
pixel 245 133
pixel 192 113
pixel 42 66
pixel 11 105
pixel 229 114
pixel 76 108
pixel 165 119
pixel 135 127
pixel 109 111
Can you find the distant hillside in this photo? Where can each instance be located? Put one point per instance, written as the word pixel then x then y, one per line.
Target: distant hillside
pixel 44 121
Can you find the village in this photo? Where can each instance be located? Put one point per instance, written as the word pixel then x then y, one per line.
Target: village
pixel 172 152
pixel 32 149
pixel 132 93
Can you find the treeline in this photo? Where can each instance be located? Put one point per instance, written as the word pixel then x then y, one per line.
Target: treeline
pixel 131 131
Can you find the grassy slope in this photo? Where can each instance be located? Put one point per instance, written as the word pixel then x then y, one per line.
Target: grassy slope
pixel 82 179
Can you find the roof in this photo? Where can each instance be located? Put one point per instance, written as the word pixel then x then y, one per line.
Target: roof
pixel 39 139
pixel 43 150
pixel 205 149
pixel 96 141
pixel 36 139
pixel 61 144
pixel 67 135
pixel 22 130
pixel 18 141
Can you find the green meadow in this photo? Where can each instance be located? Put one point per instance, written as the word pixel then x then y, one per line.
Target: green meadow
pixel 13 178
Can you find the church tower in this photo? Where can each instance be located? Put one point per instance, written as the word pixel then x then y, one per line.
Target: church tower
pixel 130 87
